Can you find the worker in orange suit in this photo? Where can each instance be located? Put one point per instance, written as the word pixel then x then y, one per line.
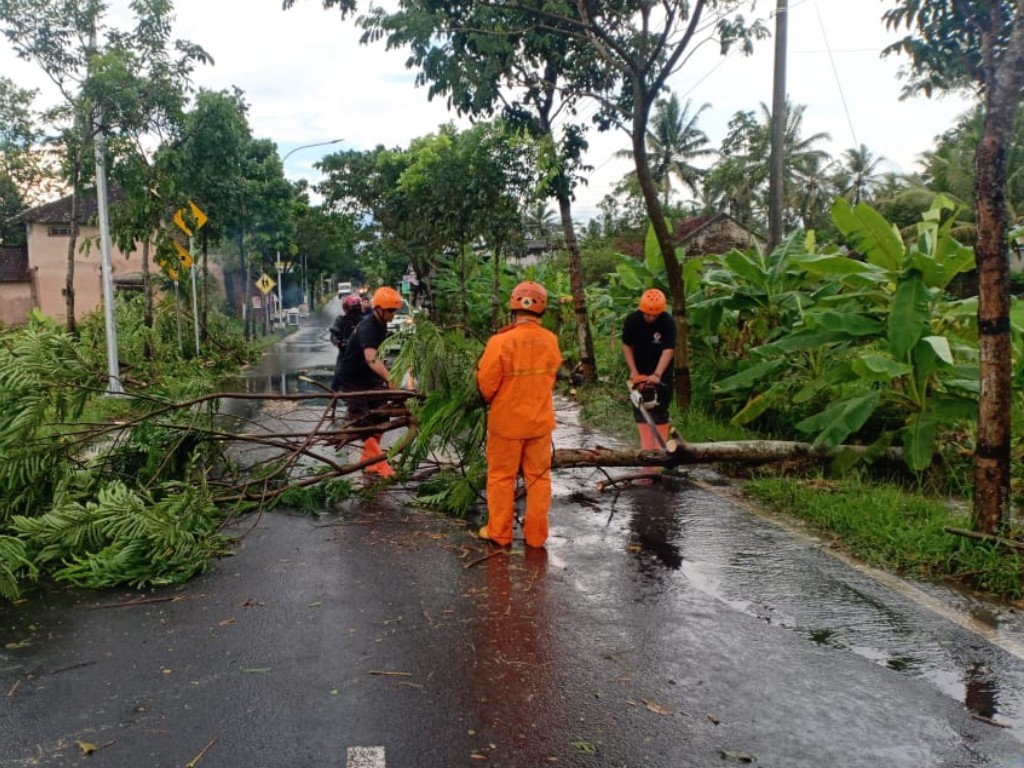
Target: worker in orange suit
pixel 648 344
pixel 362 369
pixel 516 377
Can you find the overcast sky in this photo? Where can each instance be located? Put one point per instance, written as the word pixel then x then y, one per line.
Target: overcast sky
pixel 309 80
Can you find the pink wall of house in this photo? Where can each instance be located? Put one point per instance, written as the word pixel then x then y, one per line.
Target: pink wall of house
pixel 48 263
pixel 15 303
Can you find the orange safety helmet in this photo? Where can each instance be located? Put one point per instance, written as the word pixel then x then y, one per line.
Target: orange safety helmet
pixel 386 297
pixel 529 296
pixel 653 302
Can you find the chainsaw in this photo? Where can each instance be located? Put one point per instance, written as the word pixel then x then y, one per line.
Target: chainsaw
pixel 644 399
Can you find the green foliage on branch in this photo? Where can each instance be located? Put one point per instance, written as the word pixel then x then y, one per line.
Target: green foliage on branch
pixel 125 536
pixel 98 503
pixel 452 418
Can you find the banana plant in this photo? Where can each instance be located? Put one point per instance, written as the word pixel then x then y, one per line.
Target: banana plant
pixel 870 344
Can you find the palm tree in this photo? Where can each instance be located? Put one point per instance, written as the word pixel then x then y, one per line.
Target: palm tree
pixel 859 167
pixel 740 179
pixel 673 140
pixel 802 161
pixel 539 220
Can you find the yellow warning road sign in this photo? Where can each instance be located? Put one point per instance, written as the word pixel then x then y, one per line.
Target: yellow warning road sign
pixel 197 214
pixel 179 219
pixel 198 217
pixel 265 283
pixel 183 253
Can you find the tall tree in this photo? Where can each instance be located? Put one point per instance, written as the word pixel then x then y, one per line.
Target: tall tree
pixel 57 36
pixel 645 44
pixel 638 45
pixel 472 54
pixel 673 141
pixel 860 168
pixel 18 167
pixel 239 182
pixel 740 179
pixel 143 89
pixel 979 46
pixel 99 71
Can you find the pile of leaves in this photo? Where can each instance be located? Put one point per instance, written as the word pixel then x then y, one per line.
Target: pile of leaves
pixel 93 503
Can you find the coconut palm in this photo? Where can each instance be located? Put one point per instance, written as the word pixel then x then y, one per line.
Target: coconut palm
pixel 740 178
pixel 859 170
pixel 673 141
pixel 539 220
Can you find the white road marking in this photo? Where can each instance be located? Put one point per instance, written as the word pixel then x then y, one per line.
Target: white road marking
pixel 365 757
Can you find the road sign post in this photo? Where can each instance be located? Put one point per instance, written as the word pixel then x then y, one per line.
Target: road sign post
pixel 199 218
pixel 266 284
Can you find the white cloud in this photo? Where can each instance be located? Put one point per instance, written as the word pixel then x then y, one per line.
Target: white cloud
pixel 309 80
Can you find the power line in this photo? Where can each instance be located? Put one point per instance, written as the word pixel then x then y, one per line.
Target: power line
pixel 835 72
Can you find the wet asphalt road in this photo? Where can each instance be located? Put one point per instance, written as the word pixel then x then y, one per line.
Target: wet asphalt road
pixel 664 626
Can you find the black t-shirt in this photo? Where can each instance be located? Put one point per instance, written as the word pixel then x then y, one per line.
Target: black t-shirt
pixel 355 373
pixel 649 340
pixel 343 326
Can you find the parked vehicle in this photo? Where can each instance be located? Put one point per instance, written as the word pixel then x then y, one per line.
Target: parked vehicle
pixel 402 319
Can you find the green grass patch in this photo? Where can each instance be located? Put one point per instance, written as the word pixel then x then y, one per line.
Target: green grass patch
pixel 892 529
pixel 698 426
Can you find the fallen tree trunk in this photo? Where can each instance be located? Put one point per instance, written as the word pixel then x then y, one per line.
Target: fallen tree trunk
pixel 681 453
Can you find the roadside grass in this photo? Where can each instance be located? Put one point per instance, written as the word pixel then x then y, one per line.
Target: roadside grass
pixel 893 529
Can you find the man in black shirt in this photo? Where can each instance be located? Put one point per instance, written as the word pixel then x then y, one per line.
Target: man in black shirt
pixel 648 342
pixel 362 369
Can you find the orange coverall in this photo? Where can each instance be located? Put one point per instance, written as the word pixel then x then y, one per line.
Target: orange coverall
pixel 516 376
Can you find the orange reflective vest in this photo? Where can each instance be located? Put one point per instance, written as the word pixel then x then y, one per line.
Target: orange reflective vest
pixel 516 376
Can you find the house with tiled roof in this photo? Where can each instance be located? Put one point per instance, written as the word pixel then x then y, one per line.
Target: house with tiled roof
pixel 699 236
pixel 36 275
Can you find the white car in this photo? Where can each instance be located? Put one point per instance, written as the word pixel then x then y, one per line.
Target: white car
pixel 402 319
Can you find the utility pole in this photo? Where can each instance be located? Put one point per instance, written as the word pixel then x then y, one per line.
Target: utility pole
pixel 778 137
pixel 107 270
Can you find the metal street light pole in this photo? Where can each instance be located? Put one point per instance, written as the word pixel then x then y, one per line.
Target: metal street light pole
pixel 309 146
pixel 280 289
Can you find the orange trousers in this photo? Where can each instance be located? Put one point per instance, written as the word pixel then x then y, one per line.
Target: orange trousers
pixel 371 448
pixel 505 457
pixel 649 442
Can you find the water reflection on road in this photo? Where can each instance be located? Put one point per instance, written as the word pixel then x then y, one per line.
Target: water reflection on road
pixel 682 536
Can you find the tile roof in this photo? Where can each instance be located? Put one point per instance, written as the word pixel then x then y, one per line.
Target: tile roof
pixel 59 211
pixel 13 264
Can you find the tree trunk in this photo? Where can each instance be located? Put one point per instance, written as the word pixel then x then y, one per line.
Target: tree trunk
pixel 204 301
pixel 563 186
pixel 147 298
pixel 747 452
pixel 69 280
pixel 247 319
pixel 495 288
pixel 681 358
pixel 992 455
pixel 585 339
